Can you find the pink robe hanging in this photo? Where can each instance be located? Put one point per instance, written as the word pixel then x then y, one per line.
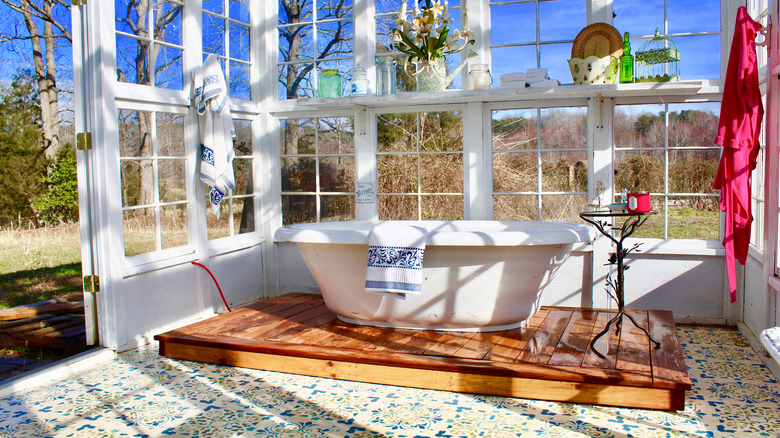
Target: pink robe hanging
pixel 741 114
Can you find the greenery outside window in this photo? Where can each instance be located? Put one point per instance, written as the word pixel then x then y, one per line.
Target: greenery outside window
pixel 668 150
pixel 237 214
pixel 154 184
pixel 420 166
pixel 540 165
pixel 318 170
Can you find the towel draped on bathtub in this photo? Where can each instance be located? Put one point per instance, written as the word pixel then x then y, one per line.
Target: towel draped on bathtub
pixel 395 259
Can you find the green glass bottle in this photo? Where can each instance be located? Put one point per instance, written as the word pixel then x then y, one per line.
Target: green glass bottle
pixel 626 62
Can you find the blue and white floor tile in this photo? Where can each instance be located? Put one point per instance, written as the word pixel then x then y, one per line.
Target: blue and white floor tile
pixel 140 393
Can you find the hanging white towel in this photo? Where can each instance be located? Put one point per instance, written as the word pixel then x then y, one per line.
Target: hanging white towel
pixel 395 259
pixel 216 130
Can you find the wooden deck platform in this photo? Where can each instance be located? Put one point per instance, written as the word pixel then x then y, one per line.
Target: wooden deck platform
pixel 550 359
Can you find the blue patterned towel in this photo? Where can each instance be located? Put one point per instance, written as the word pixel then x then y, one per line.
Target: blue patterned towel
pixel 395 259
pixel 216 130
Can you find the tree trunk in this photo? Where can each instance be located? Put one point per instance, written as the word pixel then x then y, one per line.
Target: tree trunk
pixel 45 74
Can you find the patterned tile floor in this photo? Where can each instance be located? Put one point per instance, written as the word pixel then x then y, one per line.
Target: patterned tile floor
pixel 140 393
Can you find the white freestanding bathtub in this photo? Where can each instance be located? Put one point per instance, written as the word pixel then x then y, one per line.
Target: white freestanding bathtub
pixel 477 275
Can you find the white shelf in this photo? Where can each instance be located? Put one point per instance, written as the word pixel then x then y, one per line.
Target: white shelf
pixel 686 88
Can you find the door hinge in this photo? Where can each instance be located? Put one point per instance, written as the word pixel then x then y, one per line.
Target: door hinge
pixel 78 2
pixel 91 283
pixel 84 141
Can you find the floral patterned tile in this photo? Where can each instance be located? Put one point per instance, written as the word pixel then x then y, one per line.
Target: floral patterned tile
pixel 143 394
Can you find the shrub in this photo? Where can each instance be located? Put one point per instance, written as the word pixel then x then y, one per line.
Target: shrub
pixel 61 201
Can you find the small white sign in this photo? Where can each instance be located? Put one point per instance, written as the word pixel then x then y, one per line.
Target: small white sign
pixel 365 193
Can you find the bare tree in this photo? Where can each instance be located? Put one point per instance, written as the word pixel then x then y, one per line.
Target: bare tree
pixel 43 29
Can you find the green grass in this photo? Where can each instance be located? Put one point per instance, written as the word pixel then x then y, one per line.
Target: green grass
pixel 39 264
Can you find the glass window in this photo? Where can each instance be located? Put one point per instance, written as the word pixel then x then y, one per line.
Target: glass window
pixel 534 34
pixel 237 208
pixel 420 166
pixel 318 170
pixel 668 151
pixel 386 14
pixel 149 47
pixel 314 35
pixel 693 27
pixel 226 33
pixel 153 167
pixel 540 164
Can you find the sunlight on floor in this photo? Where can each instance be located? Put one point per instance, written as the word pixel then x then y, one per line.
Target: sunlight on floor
pixel 142 393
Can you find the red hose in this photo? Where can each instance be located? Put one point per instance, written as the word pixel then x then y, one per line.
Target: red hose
pixel 215 282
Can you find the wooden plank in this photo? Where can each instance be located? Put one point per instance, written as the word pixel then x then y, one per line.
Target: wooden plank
pixel 634 350
pixel 509 347
pixel 20 312
pixel 542 345
pixel 290 333
pixel 603 354
pixel 524 387
pixel 479 345
pixel 575 340
pixel 449 343
pixel 669 370
pixel 273 317
pixel 38 324
pixel 298 320
pixel 256 315
pixel 11 324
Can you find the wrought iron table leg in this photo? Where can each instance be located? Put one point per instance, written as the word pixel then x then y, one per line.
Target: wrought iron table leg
pixel 619 319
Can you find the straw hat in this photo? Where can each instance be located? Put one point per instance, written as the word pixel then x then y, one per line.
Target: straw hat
pixel 599 39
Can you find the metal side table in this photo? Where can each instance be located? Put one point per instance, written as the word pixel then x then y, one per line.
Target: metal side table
pixel 631 221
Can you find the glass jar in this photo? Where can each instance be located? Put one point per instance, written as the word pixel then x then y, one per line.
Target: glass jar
pixel 359 83
pixel 480 77
pixel 329 84
pixel 385 77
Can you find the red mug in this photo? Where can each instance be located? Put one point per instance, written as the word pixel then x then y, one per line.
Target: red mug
pixel 638 202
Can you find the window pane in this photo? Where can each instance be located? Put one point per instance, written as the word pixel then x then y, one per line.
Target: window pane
pixel 515 208
pixel 242 143
pixel 639 170
pixel 173 184
pixel 173 220
pixel 692 171
pixel 167 22
pixel 441 131
pixel 698 67
pixel 515 172
pixel 337 174
pixel 242 170
pixel 337 136
pixel 338 208
pixel 513 24
pixel 298 137
pixel 298 175
pixel 443 207
pixel 396 132
pixel 132 192
pixel 563 208
pixel 397 207
pixel 550 56
pixel 442 173
pixel 170 135
pixel 564 171
pixel 640 17
pixel 217 228
pixel 244 215
pixel 334 40
pixel 139 231
pixel 397 173
pixel 215 6
pixel 213 34
pixel 564 129
pixel 239 42
pixel 297 209
pixel 239 10
pixel 239 81
pixel 168 69
pixel 560 20
pixel 693 217
pixel 127 70
pixel 514 129
pixel 701 16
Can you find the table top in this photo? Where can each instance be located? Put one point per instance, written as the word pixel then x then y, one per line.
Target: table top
pixel 610 213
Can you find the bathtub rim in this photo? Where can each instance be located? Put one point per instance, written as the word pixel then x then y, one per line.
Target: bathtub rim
pixel 485 234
